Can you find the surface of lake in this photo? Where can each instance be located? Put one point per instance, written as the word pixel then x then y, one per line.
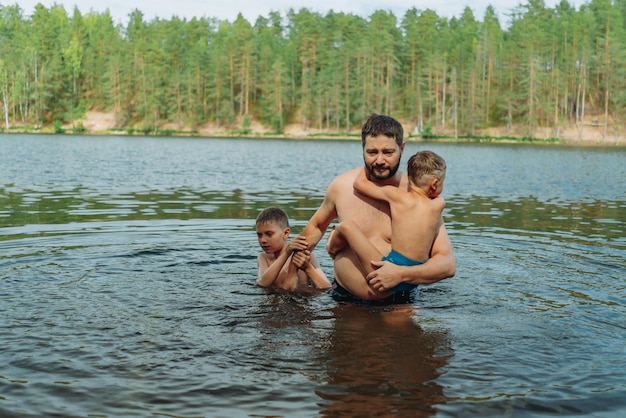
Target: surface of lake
pixel 127 285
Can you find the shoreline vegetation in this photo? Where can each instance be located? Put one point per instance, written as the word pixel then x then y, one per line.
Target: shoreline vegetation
pixel 546 75
pixel 103 123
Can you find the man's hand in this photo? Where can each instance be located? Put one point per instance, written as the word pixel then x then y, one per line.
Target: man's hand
pixel 384 277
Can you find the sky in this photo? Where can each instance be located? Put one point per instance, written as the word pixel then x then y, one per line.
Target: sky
pixel 251 9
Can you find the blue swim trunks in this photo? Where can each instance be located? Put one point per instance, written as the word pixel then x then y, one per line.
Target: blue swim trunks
pixel 400 260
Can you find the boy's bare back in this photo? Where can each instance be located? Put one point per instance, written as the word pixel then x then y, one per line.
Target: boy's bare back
pixel 415 222
pixel 415 217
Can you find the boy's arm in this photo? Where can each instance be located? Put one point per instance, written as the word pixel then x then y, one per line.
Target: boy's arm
pixel 381 192
pixel 268 274
pixel 307 262
pixel 439 204
pixel 317 276
pixel 291 281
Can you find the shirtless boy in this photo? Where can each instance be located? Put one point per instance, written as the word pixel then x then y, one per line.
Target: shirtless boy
pixel 291 266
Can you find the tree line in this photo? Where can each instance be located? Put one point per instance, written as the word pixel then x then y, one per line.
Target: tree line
pixel 549 67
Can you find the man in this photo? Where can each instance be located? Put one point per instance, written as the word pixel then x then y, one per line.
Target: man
pixel 382 139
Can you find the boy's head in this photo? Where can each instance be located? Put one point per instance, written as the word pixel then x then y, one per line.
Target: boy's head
pixel 274 215
pixel 272 229
pixel 427 171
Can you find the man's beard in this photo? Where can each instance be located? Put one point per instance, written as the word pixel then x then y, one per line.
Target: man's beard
pixel 371 169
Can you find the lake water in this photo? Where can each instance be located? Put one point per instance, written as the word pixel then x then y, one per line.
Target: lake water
pixel 127 286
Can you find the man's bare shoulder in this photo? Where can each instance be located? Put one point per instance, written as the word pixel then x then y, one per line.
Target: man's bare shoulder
pixel 344 180
pixel 350 174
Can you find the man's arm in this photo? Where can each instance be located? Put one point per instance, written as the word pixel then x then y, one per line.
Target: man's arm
pixel 441 265
pixel 317 225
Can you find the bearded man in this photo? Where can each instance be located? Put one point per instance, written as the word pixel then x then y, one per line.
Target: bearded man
pixel 382 139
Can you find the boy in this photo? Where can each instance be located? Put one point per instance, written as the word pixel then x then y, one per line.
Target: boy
pixel 286 266
pixel 415 216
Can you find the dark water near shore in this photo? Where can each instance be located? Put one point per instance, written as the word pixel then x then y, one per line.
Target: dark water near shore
pixel 127 286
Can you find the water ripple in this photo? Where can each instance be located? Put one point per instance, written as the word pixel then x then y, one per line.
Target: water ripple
pixel 130 290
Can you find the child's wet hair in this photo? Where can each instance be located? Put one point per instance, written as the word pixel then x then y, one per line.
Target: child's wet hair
pixel 424 166
pixel 275 215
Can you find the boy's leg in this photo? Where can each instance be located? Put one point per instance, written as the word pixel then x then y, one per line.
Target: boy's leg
pixel 335 243
pixel 349 233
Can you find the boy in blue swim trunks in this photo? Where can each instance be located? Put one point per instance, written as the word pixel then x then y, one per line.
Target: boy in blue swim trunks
pixel 415 216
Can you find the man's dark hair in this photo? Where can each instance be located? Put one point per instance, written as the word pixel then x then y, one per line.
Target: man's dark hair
pixel 382 125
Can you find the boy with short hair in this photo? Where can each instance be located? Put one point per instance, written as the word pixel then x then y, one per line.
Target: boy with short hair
pixel 289 266
pixel 415 217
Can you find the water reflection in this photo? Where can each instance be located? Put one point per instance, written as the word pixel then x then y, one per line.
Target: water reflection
pixel 380 362
pixel 586 218
pixel 22 207
pixel 601 219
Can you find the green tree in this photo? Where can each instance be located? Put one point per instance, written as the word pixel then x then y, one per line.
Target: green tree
pixel 382 46
pixel 102 46
pixel 465 62
pixel 272 77
pixel 489 50
pixel 221 88
pixel 72 59
pixel 304 32
pixel 243 40
pixel 610 55
pixel 49 32
pixel 531 44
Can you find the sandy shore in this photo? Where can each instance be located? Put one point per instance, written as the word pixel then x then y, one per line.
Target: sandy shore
pixel 101 123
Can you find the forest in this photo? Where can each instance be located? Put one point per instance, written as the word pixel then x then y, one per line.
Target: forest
pixel 544 68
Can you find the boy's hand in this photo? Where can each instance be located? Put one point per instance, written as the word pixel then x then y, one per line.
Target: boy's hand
pixel 301 259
